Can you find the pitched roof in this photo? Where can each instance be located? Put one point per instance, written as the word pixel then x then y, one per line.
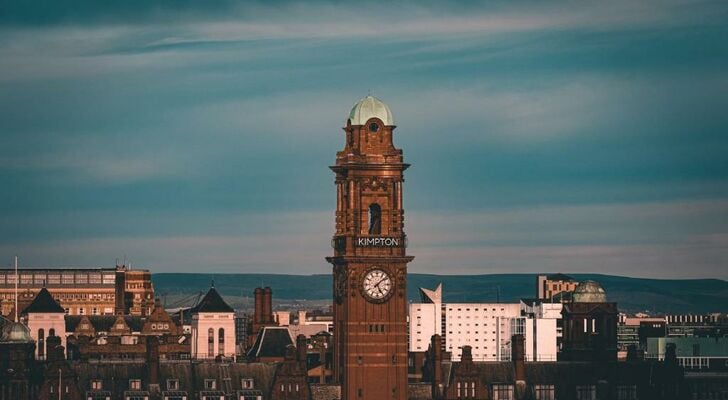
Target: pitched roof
pixel 103 323
pixel 212 302
pixel 44 303
pixel 271 341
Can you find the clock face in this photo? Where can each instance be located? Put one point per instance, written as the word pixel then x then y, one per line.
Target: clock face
pixel 377 284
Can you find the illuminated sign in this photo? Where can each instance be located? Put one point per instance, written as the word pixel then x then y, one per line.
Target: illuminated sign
pixel 378 242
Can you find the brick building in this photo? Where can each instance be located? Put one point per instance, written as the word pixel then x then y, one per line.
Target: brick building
pixel 80 291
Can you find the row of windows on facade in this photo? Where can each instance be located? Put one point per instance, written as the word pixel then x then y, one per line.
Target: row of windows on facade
pixel 460 309
pixel 173 384
pixel 66 296
pixel 467 390
pixel 56 279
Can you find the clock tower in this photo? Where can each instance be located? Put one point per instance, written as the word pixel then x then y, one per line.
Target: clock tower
pixel 370 261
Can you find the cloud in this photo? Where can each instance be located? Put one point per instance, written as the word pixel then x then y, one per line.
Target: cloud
pixel 642 239
pixel 536 131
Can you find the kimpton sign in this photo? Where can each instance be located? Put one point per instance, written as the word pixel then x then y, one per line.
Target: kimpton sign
pixel 378 242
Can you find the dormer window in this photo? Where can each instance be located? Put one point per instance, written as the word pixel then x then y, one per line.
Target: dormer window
pixel 246 383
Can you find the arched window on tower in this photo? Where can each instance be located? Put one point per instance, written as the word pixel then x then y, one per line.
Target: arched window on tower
pixel 41 344
pixel 51 332
pixel 221 342
pixel 375 219
pixel 211 343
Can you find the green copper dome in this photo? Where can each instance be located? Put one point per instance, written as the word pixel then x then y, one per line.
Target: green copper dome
pixel 370 107
pixel 15 332
pixel 589 292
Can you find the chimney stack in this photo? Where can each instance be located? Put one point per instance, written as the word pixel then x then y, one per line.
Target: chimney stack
pixel 301 349
pixel 267 305
pixel 518 356
pixel 55 350
pixel 467 357
pixel 436 354
pixel 301 317
pixel 258 315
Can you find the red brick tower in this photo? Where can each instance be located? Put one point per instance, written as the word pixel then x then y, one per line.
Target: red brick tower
pixel 370 261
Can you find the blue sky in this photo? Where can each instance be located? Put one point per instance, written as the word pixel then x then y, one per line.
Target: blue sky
pixel 185 136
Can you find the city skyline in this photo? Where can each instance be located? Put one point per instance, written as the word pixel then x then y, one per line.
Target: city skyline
pixel 561 137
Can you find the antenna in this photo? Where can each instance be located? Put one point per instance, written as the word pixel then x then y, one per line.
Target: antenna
pixel 16 288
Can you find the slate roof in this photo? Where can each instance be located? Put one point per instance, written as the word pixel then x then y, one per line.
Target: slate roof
pixel 190 376
pixel 44 303
pixel 562 373
pixel 271 341
pixel 212 302
pixel 103 323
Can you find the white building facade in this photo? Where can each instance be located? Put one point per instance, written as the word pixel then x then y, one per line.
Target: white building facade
pixel 44 318
pixel 213 328
pixel 486 327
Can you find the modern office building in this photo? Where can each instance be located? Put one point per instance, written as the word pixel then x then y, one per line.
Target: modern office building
pixel 485 327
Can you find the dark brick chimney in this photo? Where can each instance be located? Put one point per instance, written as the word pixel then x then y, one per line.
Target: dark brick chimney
pixel 436 358
pixel 301 349
pixel 55 350
pixel 467 357
pixel 258 315
pixel 267 305
pixel 518 355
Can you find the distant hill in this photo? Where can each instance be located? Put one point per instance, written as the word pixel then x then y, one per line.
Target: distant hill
pixel 631 294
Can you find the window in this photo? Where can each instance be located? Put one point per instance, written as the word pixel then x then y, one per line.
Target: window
pixel 627 392
pixel 247 383
pixel 211 343
pixel 375 219
pixel 96 384
pixel 210 384
pixel 172 384
pixel 221 341
pixel 135 384
pixel 41 343
pixel 545 392
pixel 502 392
pixel 586 392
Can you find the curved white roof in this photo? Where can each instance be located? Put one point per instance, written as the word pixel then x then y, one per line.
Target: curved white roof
pixel 370 107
